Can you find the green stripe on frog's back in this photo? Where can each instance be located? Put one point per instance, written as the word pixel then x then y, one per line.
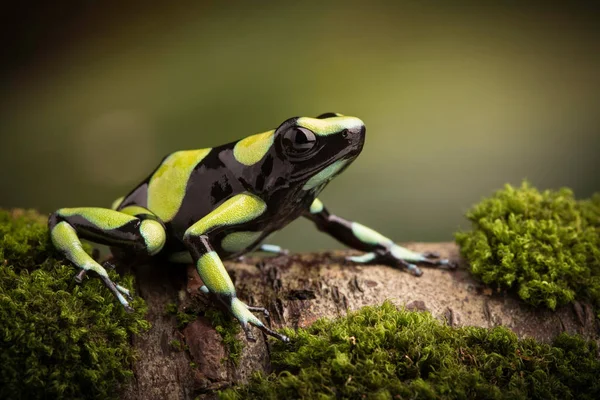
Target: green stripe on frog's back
pixel 252 149
pixel 167 186
pixel 329 126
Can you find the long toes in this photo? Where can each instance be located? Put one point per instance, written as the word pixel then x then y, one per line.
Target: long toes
pixel 124 291
pixel 276 335
pixel 413 269
pixel 128 308
pixel 108 265
pixel 445 263
pixel 80 275
pixel 262 310
pixel 248 331
pixel 362 259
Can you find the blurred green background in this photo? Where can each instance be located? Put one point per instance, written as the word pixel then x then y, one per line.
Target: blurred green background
pixel 458 100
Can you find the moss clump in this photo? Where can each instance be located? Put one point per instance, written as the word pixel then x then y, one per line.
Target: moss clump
pixel 228 327
pixel 545 245
pixel 58 339
pixel 384 353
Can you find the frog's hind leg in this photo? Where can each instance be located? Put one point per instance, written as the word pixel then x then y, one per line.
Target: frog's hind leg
pixel 379 248
pixel 141 233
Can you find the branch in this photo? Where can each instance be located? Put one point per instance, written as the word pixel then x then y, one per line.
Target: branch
pixel 301 288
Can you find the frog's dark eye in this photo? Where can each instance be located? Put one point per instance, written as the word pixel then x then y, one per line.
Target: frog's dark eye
pixel 298 140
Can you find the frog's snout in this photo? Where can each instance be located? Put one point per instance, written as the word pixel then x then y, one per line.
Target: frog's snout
pixel 356 137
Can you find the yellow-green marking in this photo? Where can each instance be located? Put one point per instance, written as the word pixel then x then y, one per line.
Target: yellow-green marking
pixel 166 189
pixel 252 149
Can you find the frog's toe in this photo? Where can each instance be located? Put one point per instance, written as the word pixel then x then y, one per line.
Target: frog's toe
pixel 114 288
pixel 276 335
pixel 262 310
pixel 243 313
pixel 411 268
pixel 442 263
pixel 80 275
pixel 363 258
pixel 108 265
pixel 248 332
pixel 273 249
pixel 124 291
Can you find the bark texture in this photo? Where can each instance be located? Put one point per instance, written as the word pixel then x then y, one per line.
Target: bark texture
pixel 301 288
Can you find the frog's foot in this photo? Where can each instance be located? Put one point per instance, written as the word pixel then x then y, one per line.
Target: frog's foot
pixel 118 291
pixel 400 256
pixel 243 313
pixel 273 249
pixel 82 273
pixel 270 249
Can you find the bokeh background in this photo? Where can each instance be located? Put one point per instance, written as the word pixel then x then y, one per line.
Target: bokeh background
pixel 458 99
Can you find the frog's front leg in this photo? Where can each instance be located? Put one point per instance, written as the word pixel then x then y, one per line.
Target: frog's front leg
pixel 379 248
pixel 141 233
pixel 237 210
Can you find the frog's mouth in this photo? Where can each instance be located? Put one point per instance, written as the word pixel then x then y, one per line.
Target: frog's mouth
pixel 327 173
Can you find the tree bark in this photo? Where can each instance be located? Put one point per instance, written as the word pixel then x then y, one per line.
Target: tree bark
pixel 299 289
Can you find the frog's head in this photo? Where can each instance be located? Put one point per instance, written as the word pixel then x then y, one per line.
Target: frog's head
pixel 319 148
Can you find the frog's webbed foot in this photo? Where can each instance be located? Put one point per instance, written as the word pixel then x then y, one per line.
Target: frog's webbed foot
pixel 243 313
pixel 118 290
pixel 400 256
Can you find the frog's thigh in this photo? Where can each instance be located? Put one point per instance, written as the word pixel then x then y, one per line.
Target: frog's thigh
pixel 105 226
pixel 101 225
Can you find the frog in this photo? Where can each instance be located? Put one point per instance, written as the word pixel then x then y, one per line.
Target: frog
pixel 207 205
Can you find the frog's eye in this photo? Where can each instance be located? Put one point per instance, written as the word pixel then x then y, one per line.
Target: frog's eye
pixel 298 140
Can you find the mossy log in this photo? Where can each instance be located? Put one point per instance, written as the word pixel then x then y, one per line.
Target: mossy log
pixel 183 362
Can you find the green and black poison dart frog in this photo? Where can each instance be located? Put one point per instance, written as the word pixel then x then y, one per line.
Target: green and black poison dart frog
pixel 206 205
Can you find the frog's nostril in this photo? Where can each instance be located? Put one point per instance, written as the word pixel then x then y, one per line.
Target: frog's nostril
pixel 356 132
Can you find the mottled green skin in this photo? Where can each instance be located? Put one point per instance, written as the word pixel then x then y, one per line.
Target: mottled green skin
pixel 207 205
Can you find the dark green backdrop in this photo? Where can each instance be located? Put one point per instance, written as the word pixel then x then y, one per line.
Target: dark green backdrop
pixel 457 100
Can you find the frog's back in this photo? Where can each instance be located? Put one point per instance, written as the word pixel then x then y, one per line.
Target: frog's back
pixel 186 186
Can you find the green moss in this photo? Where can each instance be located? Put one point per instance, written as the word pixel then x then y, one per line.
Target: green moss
pixel 58 339
pixel 177 345
pixel 228 327
pixel 171 309
pixel 185 317
pixel 546 245
pixel 384 353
